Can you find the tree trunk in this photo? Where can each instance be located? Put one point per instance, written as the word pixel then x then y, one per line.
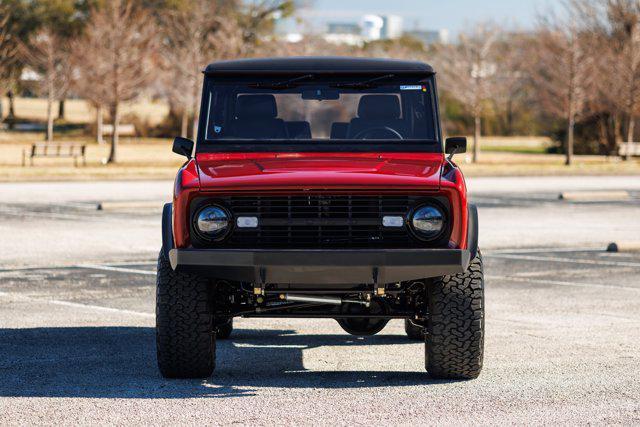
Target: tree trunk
pixel 99 127
pixel 630 132
pixel 196 108
pixel 509 117
pixel 184 125
pixel 444 120
pixel 617 130
pixel 61 109
pixel 476 138
pixel 194 127
pixel 1 108
pixel 49 135
pixel 12 109
pixel 115 115
pixel 603 139
pixel 570 137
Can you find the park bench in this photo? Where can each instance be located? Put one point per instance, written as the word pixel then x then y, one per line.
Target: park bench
pixel 56 150
pixel 624 148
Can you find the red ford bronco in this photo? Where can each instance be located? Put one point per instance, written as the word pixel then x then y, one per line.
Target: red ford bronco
pixel 320 188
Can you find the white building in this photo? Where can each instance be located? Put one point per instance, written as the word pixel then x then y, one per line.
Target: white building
pixel 372 27
pixel 392 27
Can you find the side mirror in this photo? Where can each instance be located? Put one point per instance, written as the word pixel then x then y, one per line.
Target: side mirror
pixel 455 145
pixel 183 146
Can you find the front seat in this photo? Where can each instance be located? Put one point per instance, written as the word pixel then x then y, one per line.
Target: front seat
pixel 377 111
pixel 256 118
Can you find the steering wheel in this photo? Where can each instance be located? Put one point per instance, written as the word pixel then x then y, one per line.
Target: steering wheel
pixel 368 133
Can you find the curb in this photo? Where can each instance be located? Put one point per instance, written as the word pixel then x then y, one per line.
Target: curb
pixel 594 196
pixel 624 247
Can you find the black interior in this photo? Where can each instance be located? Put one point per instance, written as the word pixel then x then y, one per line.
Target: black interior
pixel 377 112
pixel 378 116
pixel 256 117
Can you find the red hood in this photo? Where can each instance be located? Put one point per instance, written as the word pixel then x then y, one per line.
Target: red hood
pixel 319 171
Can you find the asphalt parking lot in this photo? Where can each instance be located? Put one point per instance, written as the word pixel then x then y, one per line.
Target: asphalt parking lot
pixel 77 339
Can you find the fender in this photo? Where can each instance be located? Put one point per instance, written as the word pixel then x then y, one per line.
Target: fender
pixel 472 231
pixel 167 229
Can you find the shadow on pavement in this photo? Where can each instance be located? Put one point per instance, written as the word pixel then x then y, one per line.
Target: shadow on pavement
pixel 120 362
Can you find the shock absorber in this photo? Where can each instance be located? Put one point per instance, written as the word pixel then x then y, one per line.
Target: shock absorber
pixel 321 299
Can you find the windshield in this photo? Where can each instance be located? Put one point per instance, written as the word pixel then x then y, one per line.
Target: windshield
pixel 308 109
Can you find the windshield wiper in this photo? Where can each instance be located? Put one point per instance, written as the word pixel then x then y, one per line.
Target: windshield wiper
pixel 365 84
pixel 284 84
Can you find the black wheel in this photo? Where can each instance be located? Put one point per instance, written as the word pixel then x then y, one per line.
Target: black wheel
pixel 455 326
pixel 224 329
pixel 414 332
pixel 185 338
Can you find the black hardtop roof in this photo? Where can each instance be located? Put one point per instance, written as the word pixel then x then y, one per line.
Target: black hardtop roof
pixel 317 64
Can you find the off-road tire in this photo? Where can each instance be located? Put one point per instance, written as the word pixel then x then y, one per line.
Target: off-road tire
pixel 455 326
pixel 185 338
pixel 224 329
pixel 414 332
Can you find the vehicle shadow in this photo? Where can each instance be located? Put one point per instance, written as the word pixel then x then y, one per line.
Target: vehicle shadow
pixel 120 362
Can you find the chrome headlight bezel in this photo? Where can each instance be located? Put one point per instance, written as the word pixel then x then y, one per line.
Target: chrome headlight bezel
pixel 213 235
pixel 423 234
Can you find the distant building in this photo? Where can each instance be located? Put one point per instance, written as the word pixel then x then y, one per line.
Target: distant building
pixel 344 28
pixel 372 27
pixel 429 37
pixel 348 33
pixel 391 27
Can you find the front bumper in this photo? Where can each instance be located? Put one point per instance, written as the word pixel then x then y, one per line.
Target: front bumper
pixel 321 266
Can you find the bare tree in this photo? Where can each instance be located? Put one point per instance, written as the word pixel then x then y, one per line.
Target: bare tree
pixel 562 67
pixel 48 54
pixel 195 35
pixel 258 17
pixel 511 89
pixel 115 58
pixel 469 73
pixel 620 61
pixel 9 49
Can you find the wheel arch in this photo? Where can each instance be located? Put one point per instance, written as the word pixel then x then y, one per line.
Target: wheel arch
pixel 472 230
pixel 167 229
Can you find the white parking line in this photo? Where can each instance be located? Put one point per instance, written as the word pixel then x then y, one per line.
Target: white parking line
pixel 76 305
pixel 5 210
pixel 100 308
pixel 567 260
pixel 542 250
pixel 560 283
pixel 117 269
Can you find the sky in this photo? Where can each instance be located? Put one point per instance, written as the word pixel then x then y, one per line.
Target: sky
pixel 453 15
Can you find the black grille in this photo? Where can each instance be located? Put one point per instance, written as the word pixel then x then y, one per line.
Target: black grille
pixel 321 221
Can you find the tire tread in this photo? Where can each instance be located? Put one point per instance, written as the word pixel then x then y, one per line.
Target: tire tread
pixel 185 339
pixel 455 328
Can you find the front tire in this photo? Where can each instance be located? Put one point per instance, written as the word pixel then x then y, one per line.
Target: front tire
pixel 455 326
pixel 185 339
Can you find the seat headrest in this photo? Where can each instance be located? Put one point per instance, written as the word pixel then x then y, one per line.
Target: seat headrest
pixel 379 107
pixel 256 107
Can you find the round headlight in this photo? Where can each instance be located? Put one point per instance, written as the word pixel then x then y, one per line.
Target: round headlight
pixel 212 222
pixel 428 222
